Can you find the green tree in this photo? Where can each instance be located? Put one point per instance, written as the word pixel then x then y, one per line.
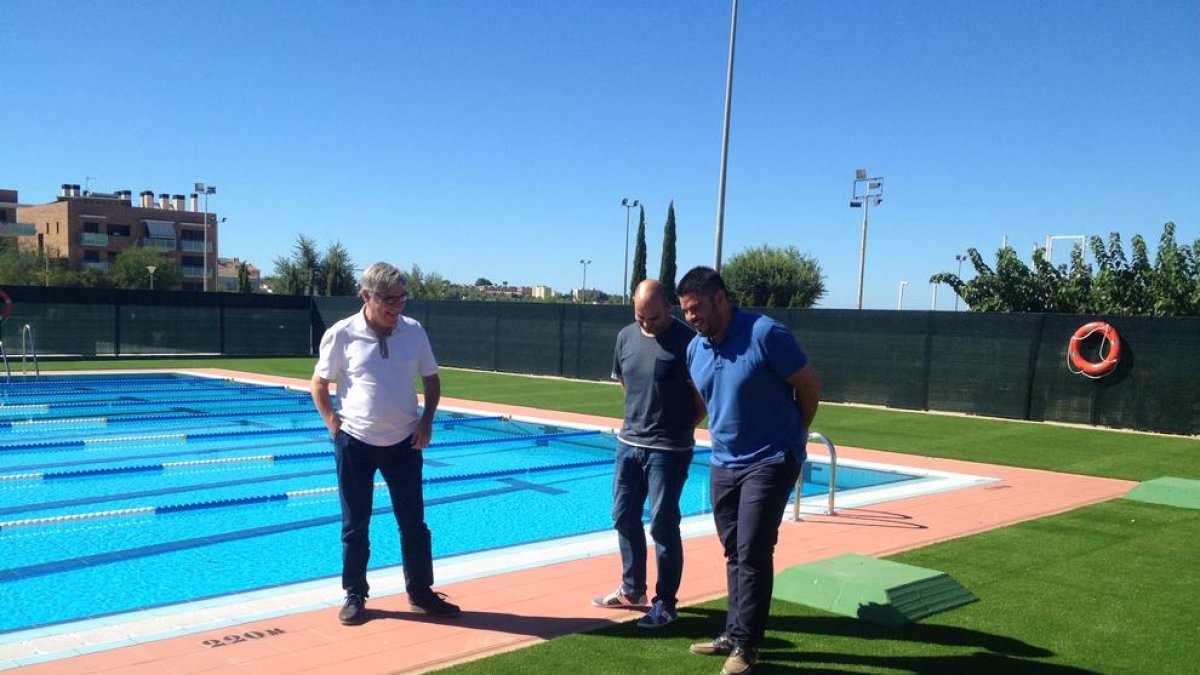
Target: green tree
pixel 667 270
pixel 337 271
pixel 130 269
pixel 1120 285
pixel 243 278
pixel 483 281
pixel 766 276
pixel 308 272
pixel 639 253
pixel 21 267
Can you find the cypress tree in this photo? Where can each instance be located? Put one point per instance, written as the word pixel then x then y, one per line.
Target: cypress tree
pixel 667 271
pixel 639 253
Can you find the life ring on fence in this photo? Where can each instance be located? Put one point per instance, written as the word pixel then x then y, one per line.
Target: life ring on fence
pixel 5 305
pixel 1108 359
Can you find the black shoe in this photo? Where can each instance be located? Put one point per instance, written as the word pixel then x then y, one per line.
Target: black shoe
pixel 434 603
pixel 354 611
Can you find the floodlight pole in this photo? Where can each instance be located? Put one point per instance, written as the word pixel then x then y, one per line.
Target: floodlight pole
pixel 206 190
pixel 960 258
pixel 872 194
pixel 900 297
pixel 725 141
pixel 583 293
pixel 629 205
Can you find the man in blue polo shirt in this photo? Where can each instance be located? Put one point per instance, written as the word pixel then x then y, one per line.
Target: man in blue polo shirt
pixel 761 394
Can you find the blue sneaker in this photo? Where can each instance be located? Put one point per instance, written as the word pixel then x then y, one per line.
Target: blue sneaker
pixel 658 616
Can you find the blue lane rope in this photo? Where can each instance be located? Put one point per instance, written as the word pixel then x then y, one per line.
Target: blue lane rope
pixel 281 496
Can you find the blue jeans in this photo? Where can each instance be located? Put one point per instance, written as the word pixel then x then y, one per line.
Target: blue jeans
pixel 401 467
pixel 659 474
pixel 748 507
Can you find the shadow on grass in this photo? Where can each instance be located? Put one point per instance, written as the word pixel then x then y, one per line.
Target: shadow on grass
pixel 989 653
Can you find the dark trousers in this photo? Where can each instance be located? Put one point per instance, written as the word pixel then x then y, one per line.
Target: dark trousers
pixel 660 475
pixel 748 507
pixel 401 466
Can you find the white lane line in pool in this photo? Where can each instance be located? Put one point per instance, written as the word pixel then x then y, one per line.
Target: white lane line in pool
pixel 126 439
pixel 72 517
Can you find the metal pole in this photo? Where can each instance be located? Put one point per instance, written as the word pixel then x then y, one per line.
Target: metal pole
pixel 625 276
pixel 725 141
pixel 625 281
pixel 900 297
pixel 862 251
pixel 960 258
pixel 204 253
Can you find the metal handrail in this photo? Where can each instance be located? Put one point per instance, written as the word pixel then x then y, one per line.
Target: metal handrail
pixel 27 330
pixel 814 436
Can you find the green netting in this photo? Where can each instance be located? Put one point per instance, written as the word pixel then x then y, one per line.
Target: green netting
pixel 149 329
pixel 267 331
pixel 864 356
pixel 1007 365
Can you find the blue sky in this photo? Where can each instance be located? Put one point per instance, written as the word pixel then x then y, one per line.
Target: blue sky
pixel 497 138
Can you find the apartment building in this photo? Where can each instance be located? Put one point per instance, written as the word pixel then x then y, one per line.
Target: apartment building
pixel 8 207
pixel 89 229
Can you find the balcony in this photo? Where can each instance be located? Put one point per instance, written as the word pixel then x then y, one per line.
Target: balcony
pixel 95 265
pixel 93 239
pixel 151 242
pixel 197 246
pixel 17 229
pixel 192 272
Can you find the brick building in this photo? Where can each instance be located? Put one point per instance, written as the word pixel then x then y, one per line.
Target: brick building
pixel 90 229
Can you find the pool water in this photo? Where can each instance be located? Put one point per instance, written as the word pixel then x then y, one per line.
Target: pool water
pixel 120 493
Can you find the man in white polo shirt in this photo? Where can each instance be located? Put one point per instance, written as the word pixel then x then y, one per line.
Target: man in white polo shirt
pixel 373 358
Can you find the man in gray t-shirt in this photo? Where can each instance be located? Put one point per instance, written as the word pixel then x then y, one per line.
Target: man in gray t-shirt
pixel 655 448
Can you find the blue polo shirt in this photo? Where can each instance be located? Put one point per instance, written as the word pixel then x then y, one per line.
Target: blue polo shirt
pixel 752 415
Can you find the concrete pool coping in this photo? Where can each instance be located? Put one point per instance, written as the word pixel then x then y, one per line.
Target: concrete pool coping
pixel 300 634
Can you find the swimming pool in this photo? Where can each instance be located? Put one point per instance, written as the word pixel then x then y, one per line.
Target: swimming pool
pixel 122 493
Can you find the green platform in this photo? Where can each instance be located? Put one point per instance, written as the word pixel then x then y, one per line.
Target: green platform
pixel 880 591
pixel 1171 491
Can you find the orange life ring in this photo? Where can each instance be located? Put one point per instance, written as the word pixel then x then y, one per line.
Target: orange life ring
pixel 1108 360
pixel 6 307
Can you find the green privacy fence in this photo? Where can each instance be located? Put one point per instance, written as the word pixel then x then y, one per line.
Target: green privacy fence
pixel 1001 365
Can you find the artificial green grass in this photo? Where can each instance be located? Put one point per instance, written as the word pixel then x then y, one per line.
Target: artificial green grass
pixel 1094 452
pixel 1108 588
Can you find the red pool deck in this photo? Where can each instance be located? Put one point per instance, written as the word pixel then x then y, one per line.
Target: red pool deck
pixel 517 609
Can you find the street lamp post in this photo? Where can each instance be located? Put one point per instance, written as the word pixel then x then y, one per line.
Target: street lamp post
pixel 629 205
pixel 206 190
pixel 150 269
pixel 871 194
pixel 583 293
pixel 900 297
pixel 960 258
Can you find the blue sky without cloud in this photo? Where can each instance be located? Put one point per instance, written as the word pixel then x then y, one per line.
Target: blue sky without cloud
pixel 496 139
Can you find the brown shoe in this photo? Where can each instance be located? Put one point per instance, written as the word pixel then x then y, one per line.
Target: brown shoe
pixel 718 647
pixel 741 661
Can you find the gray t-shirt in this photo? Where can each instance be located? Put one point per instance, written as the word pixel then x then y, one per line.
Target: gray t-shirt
pixel 659 399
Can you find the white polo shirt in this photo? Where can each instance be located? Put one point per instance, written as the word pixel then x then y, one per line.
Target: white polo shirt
pixel 377 401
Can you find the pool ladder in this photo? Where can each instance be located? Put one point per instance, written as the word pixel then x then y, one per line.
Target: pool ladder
pixel 814 436
pixel 28 350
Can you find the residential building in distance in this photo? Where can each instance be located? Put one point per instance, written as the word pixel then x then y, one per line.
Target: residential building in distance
pixel 8 207
pixel 89 229
pixel 227 275
pixel 542 292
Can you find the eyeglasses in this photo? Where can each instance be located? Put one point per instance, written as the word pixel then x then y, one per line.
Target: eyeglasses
pixel 397 299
